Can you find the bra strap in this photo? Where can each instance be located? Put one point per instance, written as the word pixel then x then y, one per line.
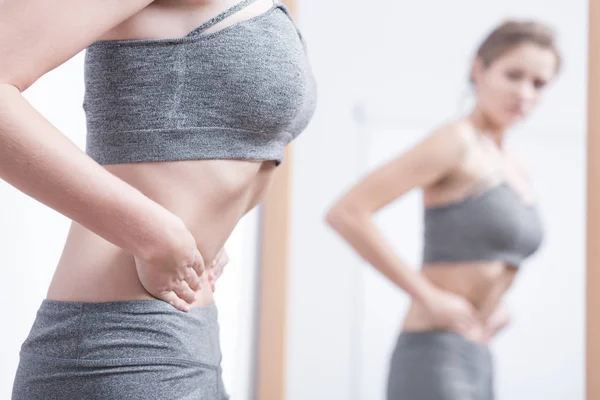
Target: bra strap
pixel 225 14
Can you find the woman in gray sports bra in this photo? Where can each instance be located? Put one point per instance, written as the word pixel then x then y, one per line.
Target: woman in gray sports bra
pixel 480 222
pixel 189 106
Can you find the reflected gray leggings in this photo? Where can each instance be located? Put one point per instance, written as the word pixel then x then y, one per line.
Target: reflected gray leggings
pixel 142 349
pixel 439 365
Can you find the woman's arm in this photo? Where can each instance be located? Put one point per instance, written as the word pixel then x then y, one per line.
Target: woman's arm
pixel 351 216
pixel 36 36
pixel 422 166
pixel 40 161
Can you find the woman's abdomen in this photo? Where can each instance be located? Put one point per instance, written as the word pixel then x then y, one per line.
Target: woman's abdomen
pixel 482 284
pixel 210 196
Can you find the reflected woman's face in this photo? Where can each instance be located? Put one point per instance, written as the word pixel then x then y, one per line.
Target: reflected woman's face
pixel 511 86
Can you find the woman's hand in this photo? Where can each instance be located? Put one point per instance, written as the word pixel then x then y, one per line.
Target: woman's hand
pixel 496 322
pixel 216 269
pixel 173 275
pixel 452 312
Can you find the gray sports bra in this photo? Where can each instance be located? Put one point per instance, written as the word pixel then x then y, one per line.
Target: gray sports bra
pixel 243 92
pixel 493 226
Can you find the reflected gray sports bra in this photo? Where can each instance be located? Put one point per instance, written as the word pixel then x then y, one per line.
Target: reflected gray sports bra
pixel 243 92
pixel 493 226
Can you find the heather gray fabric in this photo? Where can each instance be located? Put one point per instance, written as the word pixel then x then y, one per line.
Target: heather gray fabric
pixel 440 365
pixel 243 92
pixel 144 350
pixel 495 225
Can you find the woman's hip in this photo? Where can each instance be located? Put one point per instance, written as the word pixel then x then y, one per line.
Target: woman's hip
pixel 130 349
pixel 438 364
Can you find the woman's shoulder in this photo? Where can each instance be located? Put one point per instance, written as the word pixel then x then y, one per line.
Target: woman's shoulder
pixel 457 134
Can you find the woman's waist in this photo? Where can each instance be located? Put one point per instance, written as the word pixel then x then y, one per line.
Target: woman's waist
pixel 111 277
pixel 482 285
pixel 419 319
pixel 93 269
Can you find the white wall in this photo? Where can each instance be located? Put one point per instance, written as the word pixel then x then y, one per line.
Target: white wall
pixel 32 236
pixel 405 65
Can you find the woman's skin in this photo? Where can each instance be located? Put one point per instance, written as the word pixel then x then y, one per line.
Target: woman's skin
pixel 142 230
pixel 465 297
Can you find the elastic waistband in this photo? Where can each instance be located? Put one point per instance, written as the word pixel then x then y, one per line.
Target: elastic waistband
pixel 439 337
pixel 125 329
pixel 130 306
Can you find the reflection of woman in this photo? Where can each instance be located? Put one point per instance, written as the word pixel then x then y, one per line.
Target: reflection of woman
pixel 189 106
pixel 480 222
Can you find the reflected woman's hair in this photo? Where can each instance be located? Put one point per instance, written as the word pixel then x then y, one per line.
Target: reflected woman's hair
pixel 513 33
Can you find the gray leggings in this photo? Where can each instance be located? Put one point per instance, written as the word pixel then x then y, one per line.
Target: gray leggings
pixel 439 365
pixel 142 349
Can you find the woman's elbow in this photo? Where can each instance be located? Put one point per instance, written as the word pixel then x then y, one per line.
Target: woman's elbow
pixel 332 217
pixel 344 215
pixel 21 80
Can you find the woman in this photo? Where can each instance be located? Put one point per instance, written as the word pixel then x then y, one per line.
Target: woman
pixel 189 106
pixel 480 222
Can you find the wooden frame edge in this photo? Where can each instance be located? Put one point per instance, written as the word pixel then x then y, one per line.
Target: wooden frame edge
pixel 592 331
pixel 273 287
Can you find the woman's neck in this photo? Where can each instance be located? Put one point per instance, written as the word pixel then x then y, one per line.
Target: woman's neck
pixel 485 126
